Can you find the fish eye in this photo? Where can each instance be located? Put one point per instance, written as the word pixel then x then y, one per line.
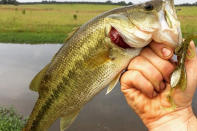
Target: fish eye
pixel 148 7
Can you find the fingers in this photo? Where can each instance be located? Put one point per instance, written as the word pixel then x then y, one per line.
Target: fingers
pixel 148 71
pixel 143 66
pixel 134 79
pixel 162 50
pixel 163 66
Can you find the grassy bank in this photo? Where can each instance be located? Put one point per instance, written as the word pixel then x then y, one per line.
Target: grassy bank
pixel 10 120
pixel 31 37
pixel 51 23
pixel 44 23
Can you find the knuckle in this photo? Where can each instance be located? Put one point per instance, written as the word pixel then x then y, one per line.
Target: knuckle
pixel 136 61
pixel 129 76
pixel 123 88
pixel 167 68
pixel 123 78
pixel 135 75
pixel 146 51
pixel 157 76
pixel 149 88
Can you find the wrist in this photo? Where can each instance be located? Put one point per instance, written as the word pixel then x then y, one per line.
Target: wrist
pixel 180 120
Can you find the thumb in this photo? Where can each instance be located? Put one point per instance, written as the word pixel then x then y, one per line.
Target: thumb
pixel 162 50
pixel 191 52
pixel 190 63
pixel 191 68
pixel 181 98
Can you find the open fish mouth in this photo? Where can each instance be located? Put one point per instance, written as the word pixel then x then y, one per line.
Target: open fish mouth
pixel 135 37
pixel 127 32
pixel 117 39
pixel 129 39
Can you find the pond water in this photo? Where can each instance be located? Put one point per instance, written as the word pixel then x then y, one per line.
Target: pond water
pixel 19 63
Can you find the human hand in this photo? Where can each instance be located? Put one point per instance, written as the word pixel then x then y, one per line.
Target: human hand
pixel 146 88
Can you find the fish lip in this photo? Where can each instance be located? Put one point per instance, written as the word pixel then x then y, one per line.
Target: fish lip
pixel 169 32
pixel 173 21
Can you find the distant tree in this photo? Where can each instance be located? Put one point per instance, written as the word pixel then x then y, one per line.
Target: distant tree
pixel 9 2
pixel 4 1
pixel 121 3
pixel 109 2
pixel 53 1
pixel 12 1
pixel 186 4
pixel 44 1
pixel 130 3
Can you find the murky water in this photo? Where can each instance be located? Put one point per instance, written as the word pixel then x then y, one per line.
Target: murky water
pixel 18 65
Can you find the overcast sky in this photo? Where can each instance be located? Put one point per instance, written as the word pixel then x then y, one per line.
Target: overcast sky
pixel 134 1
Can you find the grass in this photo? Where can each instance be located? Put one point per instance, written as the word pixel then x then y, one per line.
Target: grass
pixel 51 23
pixel 44 23
pixel 32 37
pixel 188 18
pixel 10 120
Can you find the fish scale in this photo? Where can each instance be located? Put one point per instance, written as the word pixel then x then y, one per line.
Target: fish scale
pixel 71 76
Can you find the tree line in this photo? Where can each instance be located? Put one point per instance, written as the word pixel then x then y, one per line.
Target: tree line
pixel 8 2
pixel 189 4
pixel 109 2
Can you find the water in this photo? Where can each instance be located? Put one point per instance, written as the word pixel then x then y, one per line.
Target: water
pixel 20 63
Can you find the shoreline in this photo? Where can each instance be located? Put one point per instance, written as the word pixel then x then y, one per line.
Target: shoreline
pixel 32 38
pixel 35 38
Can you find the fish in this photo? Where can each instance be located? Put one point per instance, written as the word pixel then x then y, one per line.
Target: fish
pixel 94 57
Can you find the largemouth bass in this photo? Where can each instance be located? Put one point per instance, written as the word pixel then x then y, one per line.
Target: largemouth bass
pixel 95 56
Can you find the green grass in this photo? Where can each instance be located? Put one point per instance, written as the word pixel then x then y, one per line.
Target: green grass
pixel 51 23
pixel 188 18
pixel 32 38
pixel 10 120
pixel 44 23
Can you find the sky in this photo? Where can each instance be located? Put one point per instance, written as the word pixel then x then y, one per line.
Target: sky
pixel 133 1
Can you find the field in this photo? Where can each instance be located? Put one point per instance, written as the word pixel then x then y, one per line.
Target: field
pixel 51 23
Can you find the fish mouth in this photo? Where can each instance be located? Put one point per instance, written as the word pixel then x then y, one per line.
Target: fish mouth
pixel 128 40
pixel 170 30
pixel 117 39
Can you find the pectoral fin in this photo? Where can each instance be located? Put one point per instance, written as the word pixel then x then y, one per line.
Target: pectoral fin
pixel 35 83
pixel 113 83
pixel 67 120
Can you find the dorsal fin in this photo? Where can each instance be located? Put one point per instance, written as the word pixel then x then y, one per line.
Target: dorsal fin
pixel 75 29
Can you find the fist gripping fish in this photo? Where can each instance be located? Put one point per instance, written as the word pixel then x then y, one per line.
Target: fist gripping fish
pixel 94 56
